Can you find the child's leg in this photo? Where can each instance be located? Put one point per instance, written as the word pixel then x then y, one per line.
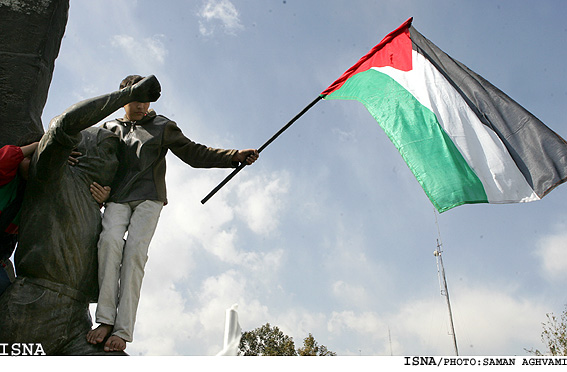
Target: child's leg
pixel 140 232
pixel 110 250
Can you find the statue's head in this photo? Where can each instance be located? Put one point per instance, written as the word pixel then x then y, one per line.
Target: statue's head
pixel 99 149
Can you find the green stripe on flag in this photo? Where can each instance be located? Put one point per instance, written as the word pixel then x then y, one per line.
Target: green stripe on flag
pixel 431 155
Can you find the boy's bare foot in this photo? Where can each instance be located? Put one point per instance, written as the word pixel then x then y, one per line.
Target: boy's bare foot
pixel 97 335
pixel 115 343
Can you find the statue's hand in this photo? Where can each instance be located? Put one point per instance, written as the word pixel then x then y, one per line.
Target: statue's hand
pixel 147 90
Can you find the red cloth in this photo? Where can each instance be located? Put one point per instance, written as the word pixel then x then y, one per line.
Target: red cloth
pixel 10 158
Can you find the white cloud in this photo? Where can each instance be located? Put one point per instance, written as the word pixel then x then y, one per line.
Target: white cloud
pixel 213 227
pixel 144 52
pixel 365 323
pixel 366 331
pixel 164 333
pixel 196 270
pixel 355 295
pixel 214 12
pixel 503 319
pixel 260 199
pixel 552 251
pixel 193 324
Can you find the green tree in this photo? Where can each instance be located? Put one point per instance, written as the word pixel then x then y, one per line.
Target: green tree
pixel 312 348
pixel 266 340
pixel 554 335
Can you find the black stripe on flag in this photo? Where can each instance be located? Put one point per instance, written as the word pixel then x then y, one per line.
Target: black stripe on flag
pixel 539 152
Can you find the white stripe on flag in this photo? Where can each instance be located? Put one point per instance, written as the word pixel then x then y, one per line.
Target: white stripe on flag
pixel 482 149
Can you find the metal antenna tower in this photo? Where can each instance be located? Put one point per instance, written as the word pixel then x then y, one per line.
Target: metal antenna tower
pixel 445 291
pixel 443 283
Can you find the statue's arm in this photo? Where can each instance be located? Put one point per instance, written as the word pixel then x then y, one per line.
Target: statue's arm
pixel 64 130
pixel 52 152
pixel 91 111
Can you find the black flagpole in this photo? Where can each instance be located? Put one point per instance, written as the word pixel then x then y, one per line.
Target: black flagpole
pixel 242 165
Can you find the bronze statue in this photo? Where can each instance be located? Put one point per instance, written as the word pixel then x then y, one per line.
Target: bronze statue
pixel 56 259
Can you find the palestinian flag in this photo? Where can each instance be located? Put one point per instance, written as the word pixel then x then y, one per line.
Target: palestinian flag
pixel 464 140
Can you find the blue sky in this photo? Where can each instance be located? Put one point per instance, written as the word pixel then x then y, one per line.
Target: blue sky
pixel 328 233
